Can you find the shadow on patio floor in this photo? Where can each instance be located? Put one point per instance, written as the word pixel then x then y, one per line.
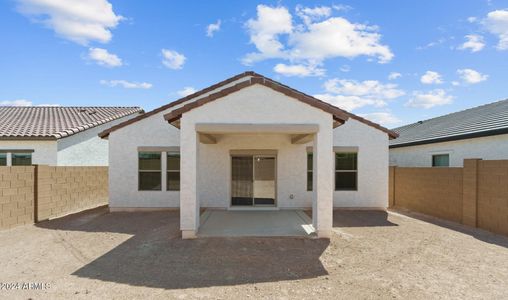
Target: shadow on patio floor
pixel 156 256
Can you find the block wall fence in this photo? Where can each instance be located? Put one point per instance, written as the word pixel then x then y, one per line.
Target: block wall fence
pixel 475 195
pixel 31 194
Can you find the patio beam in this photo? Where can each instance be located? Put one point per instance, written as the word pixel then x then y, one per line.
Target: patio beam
pixel 301 138
pixel 207 138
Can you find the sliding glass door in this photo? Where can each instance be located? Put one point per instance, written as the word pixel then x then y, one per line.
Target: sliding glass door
pixel 253 180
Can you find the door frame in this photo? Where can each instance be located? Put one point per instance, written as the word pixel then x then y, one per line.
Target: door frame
pixel 253 153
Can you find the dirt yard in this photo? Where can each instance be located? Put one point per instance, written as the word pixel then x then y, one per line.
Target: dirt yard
pixel 140 255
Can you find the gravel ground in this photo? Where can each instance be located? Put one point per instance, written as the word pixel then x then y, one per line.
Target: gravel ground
pixel 96 254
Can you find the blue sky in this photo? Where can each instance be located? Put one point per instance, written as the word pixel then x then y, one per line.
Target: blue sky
pixel 442 56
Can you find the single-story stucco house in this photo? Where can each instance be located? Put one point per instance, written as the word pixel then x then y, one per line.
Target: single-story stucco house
pixel 252 143
pixel 57 136
pixel 478 132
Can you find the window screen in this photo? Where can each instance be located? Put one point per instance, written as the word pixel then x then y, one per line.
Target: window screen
pixel 3 159
pixel 173 172
pixel 21 159
pixel 441 160
pixel 346 171
pixel 149 164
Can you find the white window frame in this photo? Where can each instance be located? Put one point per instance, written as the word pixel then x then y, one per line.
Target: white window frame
pixel 346 149
pixel 167 153
pixel 432 154
pixel 150 171
pixel 9 152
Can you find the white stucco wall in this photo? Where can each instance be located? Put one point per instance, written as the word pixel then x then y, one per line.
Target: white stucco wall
pixel 123 162
pixel 86 148
pixel 255 104
pixel 44 151
pixel 491 147
pixel 372 165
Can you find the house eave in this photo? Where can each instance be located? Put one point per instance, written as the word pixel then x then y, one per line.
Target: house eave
pixel 453 138
pixel 28 138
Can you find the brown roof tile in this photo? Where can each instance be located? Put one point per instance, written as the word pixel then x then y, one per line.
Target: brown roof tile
pixel 47 122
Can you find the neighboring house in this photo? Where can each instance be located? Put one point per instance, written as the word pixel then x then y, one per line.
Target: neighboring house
pixel 479 132
pixel 252 143
pixel 58 136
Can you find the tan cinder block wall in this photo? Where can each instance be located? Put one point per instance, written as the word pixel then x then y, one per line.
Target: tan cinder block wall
pixel 391 188
pixel 432 191
pixel 65 190
pixel 16 196
pixel 492 205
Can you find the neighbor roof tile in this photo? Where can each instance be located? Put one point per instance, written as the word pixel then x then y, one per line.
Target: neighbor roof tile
pixel 55 122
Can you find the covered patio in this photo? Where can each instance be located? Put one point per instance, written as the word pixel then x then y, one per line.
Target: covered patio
pixel 255 223
pixel 270 126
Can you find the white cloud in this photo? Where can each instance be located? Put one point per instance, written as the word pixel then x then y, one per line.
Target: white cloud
pixel 127 84
pixel 317 38
pixel 342 7
pixel 264 32
pixel 186 91
pixel 298 70
pixel 345 68
pixel 471 76
pixel 383 118
pixel 350 103
pixel 351 94
pixel 497 23
pixel 104 58
pixel 17 102
pixel 472 19
pixel 431 77
pixel 22 102
pixel 49 104
pixel 455 83
pixel 173 59
pixel 371 88
pixel 309 15
pixel 474 42
pixel 429 99
pixel 78 21
pixel 212 28
pixel 394 75
pixel 337 37
pixel 438 42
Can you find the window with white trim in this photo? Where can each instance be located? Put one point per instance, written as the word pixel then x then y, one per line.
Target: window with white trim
pixel 173 171
pixel 441 160
pixel 149 171
pixel 346 171
pixel 21 159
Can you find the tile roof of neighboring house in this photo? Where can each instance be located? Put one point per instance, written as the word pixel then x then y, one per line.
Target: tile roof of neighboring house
pixel 339 114
pixel 48 122
pixel 485 120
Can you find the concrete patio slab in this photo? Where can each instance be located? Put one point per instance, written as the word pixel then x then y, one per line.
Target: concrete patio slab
pixel 222 223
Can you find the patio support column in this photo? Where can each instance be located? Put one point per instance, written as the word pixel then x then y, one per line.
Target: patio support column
pixel 189 202
pixel 323 162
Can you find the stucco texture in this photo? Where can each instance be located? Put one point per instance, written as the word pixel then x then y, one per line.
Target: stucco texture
pixel 252 105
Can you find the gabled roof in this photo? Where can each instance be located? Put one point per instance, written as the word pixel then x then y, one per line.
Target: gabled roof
pixel 485 120
pixel 229 86
pixel 54 122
